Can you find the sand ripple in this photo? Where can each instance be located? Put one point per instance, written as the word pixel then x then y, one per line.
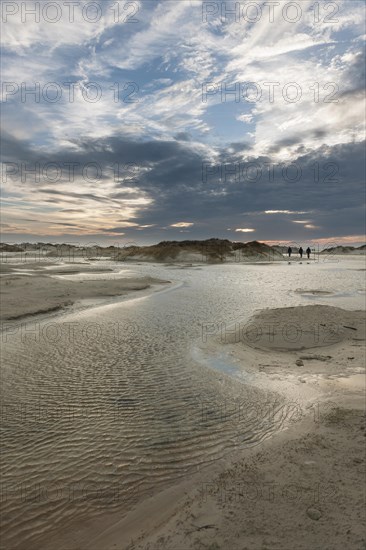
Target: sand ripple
pixel 97 418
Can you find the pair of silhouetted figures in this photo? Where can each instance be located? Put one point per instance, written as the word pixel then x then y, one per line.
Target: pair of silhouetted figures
pixel 301 252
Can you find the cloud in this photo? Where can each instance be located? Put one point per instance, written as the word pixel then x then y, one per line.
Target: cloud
pixel 171 156
pixel 285 212
pixel 182 224
pixel 247 119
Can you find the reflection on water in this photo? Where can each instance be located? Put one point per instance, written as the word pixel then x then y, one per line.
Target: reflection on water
pixel 106 406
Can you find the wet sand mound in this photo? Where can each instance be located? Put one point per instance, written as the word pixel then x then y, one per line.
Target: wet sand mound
pixel 302 327
pixel 23 295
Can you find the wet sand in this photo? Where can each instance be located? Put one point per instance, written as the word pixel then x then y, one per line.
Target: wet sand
pixel 303 488
pixel 38 291
pixel 281 468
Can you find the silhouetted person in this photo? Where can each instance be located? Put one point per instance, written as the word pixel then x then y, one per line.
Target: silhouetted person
pixel 301 252
pixel 308 252
pixel 289 251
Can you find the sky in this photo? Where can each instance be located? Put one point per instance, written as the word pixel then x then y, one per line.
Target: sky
pixel 137 122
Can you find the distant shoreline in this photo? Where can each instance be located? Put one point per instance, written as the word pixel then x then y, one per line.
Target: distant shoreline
pixel 204 251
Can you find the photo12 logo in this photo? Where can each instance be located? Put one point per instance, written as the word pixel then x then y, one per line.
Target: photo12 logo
pixel 245 12
pixel 69 11
pixel 69 171
pixel 68 92
pixel 274 334
pixel 56 491
pixel 255 172
pixel 268 491
pixel 271 92
pixel 69 333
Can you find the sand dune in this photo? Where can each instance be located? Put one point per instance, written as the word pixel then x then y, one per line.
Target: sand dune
pixel 204 251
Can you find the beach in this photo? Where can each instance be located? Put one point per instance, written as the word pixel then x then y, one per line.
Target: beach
pixel 190 406
pixel 36 288
pixel 182 275
pixel 301 489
